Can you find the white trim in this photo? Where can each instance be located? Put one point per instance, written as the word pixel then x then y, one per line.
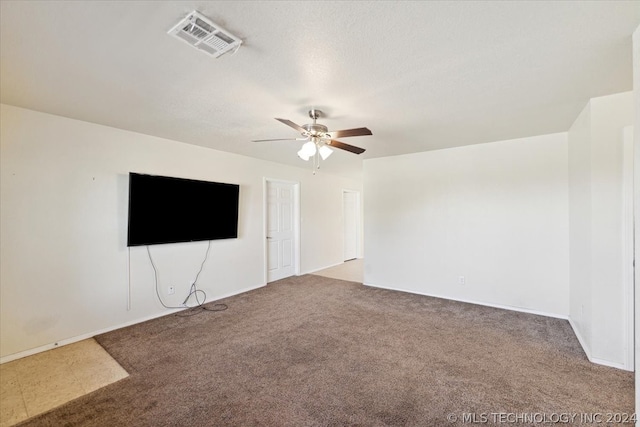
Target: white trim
pixel 522 310
pixel 296 225
pixel 609 364
pixel 322 268
pixel 486 304
pixel 636 201
pixel 581 340
pixel 265 253
pixel 329 266
pixel 67 341
pixel 628 247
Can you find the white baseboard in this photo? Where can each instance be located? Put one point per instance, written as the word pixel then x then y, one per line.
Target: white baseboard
pixel 323 268
pixel 67 341
pixel 609 364
pixel 583 343
pixel 486 304
pixel 586 349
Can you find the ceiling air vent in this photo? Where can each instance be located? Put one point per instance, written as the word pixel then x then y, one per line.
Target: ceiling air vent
pixel 201 33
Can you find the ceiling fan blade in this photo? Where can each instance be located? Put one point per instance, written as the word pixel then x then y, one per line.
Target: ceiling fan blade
pixel 350 132
pixel 291 124
pixel 278 139
pixel 341 145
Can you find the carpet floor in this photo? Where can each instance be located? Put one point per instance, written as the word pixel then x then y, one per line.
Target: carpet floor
pixel 316 351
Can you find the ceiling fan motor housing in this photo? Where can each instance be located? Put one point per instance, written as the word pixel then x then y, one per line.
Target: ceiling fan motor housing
pixel 317 130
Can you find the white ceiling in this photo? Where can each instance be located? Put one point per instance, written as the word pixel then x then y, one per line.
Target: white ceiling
pixel 420 75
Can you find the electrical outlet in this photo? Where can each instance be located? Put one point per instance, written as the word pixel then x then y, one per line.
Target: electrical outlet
pixel 461 280
pixel 171 290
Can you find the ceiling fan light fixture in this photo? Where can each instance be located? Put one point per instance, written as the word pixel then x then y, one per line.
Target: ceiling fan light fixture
pixel 303 155
pixel 307 150
pixel 325 152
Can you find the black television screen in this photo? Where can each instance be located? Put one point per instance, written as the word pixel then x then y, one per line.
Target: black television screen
pixel 170 210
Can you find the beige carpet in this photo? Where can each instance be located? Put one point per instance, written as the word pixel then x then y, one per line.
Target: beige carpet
pixel 315 351
pixel 39 383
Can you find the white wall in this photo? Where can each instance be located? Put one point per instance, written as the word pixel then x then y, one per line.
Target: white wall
pixel 324 237
pixel 636 182
pixel 598 307
pixel 609 115
pixel 580 227
pixel 63 224
pixel 495 213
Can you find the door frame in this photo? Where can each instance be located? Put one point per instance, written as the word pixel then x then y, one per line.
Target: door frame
pixel 358 223
pixel 628 246
pixel 296 225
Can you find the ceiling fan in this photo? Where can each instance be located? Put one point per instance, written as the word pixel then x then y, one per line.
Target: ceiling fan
pixel 319 139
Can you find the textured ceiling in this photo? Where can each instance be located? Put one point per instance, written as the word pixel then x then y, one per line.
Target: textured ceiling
pixel 420 75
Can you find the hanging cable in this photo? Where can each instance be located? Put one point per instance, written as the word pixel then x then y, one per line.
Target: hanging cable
pixel 193 290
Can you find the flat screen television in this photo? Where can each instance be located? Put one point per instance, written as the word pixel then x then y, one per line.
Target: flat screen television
pixel 170 210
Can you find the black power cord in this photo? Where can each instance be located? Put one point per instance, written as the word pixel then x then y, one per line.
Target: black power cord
pixel 192 291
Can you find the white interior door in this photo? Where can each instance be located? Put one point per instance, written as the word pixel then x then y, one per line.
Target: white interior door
pixel 351 217
pixel 281 245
